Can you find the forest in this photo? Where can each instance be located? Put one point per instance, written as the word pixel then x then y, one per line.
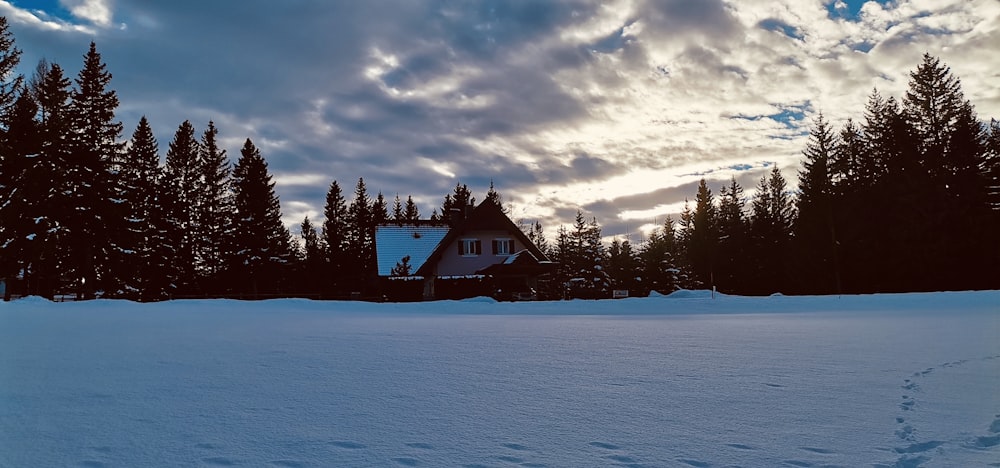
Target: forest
pixel 905 198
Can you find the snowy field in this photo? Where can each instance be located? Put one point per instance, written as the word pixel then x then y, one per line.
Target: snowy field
pixel 686 381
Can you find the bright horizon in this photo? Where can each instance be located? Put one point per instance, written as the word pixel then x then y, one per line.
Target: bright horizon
pixel 613 108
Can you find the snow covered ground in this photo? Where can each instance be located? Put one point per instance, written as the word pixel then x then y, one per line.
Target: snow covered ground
pixel 687 381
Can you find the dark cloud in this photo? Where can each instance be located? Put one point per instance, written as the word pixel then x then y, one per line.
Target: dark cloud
pixel 406 93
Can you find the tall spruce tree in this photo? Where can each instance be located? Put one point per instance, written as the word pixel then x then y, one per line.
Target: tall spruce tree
pixel 456 202
pixel 397 210
pixel 10 57
pixel 215 230
pixel 815 228
pixel 380 212
pixel 95 224
pixel 49 205
pixel 140 273
pixel 18 194
pixel 703 236
pixel 657 257
pixel 262 245
pixel 770 233
pixel 360 235
pixel 411 212
pixel 733 227
pixel 181 196
pixel 334 233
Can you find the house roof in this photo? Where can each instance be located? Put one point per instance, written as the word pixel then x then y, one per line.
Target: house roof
pixel 521 263
pixel 395 241
pixel 488 216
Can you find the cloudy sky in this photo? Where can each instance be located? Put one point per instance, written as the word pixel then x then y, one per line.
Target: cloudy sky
pixel 613 107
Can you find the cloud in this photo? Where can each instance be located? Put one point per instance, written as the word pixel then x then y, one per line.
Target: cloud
pixel 614 107
pixel 95 11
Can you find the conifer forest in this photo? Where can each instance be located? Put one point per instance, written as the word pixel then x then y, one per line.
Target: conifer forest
pixel 903 197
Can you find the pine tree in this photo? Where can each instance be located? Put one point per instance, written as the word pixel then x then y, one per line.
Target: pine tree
pixel 845 163
pixel 141 267
pixel 360 234
pixel 313 258
pixel 10 57
pixel 623 266
pixel 660 271
pixel 733 234
pixel 214 238
pixel 95 224
pixel 49 205
pixel 770 233
pixel 380 213
pixel 334 235
pixel 536 235
pixel 411 213
pixel 397 210
pixel 18 193
pixel 457 201
pixel 815 231
pixel 181 195
pixel 262 246
pixel 496 198
pixel 992 167
pixel 703 236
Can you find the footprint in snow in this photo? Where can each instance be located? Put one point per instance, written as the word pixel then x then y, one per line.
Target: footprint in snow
pixel 346 444
pixel 406 461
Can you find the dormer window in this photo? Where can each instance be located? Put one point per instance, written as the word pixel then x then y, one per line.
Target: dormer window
pixel 470 247
pixel 503 246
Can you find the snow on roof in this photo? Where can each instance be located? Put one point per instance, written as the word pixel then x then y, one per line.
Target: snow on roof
pixel 393 242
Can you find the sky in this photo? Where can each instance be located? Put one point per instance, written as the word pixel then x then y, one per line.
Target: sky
pixel 615 108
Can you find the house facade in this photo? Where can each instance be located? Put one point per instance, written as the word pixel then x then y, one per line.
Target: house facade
pixel 478 252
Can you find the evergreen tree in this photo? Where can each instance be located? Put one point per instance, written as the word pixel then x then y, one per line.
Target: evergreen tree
pixel 623 266
pixel 10 57
pixel 536 235
pixel 214 238
pixel 950 150
pixel 313 258
pixel 496 198
pixel 845 163
pixel 815 230
pixel 361 234
pixel 585 259
pixel 733 236
pixel 380 213
pixel 411 213
pixel 95 224
pixel 703 236
pixel 334 235
pixel 397 210
pixel 660 271
pixel 141 268
pixel 19 195
pixel 262 245
pixel 181 195
pixel 49 205
pixel 770 233
pixel 459 200
pixel 992 167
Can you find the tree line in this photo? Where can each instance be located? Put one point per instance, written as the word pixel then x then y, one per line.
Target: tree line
pixel 906 198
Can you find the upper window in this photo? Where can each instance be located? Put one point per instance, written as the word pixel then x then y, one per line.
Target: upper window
pixel 470 247
pixel 503 246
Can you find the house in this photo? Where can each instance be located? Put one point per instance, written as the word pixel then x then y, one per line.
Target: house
pixel 477 252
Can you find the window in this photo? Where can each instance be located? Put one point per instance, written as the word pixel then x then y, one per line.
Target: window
pixel 469 247
pixel 503 246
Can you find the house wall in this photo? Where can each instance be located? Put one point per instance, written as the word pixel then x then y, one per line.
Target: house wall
pixel 452 264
